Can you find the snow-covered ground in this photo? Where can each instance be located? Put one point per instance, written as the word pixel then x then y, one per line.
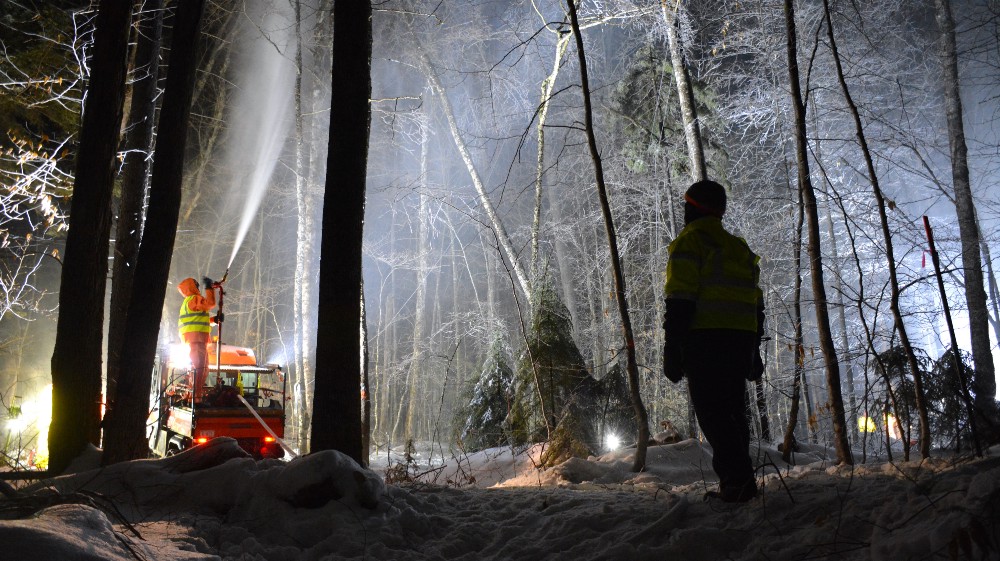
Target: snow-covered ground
pixel 213 503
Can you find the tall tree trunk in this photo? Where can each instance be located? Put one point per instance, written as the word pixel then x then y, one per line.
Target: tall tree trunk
pixel 336 418
pixel 975 294
pixel 838 290
pixel 366 402
pixel 642 439
pixel 991 281
pixel 897 316
pixel 126 423
pixel 543 111
pixel 815 251
pixel 76 358
pixel 498 227
pixel 137 164
pixel 788 444
pixel 416 375
pixel 304 254
pixel 685 94
pixel 860 303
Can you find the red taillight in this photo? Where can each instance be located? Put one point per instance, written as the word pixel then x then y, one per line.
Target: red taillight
pixel 268 439
pixel 201 440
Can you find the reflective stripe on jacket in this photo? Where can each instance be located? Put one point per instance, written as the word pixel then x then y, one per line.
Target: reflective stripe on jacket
pixel 718 272
pixel 191 321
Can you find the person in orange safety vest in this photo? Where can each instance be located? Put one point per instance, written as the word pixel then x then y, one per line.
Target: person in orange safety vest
pixel 195 327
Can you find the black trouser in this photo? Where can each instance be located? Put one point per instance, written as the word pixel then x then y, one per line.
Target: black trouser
pixel 717 362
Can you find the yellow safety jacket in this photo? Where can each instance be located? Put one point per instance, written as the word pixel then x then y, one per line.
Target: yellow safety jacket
pixel 192 321
pixel 718 272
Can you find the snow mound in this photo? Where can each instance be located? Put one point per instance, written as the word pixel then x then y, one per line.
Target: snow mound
pixel 214 503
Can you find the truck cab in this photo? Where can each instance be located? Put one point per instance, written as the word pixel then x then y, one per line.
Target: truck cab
pixel 243 399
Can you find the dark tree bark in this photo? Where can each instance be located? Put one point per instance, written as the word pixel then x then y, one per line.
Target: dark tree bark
pixel 126 422
pixel 827 347
pixel 336 420
pixel 972 264
pixel 137 164
pixel 76 358
pixel 632 369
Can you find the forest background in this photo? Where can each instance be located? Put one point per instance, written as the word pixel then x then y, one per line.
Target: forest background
pixel 484 241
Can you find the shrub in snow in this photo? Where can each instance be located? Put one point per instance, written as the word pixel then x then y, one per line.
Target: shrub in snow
pixel 483 422
pixel 554 392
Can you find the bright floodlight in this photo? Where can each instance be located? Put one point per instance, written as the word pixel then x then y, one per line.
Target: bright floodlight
pixel 180 355
pixel 613 442
pixel 17 424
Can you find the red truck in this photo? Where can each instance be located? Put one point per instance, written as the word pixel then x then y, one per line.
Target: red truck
pixel 243 399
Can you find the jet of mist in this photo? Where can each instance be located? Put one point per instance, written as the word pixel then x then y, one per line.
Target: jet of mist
pixel 263 109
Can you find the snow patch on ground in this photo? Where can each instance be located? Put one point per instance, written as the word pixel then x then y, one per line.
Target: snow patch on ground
pixel 213 502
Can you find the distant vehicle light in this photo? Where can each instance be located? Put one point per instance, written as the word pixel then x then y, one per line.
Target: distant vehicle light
pixel 269 439
pixel 201 440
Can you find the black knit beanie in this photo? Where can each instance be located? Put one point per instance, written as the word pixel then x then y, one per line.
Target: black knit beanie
pixel 708 197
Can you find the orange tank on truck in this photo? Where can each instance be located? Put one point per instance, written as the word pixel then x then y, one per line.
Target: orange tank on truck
pixel 242 399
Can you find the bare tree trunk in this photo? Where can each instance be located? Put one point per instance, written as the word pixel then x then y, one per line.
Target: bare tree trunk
pixel 685 94
pixel 491 213
pixel 76 358
pixel 642 439
pixel 416 375
pixel 788 443
pixel 137 165
pixel 911 358
pixel 125 426
pixel 302 246
pixel 336 418
pixel 543 110
pixel 975 294
pixel 838 289
pixel 396 391
pixel 860 303
pixel 991 281
pixel 815 252
pixel 366 402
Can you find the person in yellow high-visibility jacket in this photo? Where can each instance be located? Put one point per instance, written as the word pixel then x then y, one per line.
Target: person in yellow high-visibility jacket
pixel 195 328
pixel 713 324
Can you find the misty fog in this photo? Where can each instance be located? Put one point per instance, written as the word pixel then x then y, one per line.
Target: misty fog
pixel 468 214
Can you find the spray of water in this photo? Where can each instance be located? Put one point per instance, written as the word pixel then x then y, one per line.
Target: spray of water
pixel 263 111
